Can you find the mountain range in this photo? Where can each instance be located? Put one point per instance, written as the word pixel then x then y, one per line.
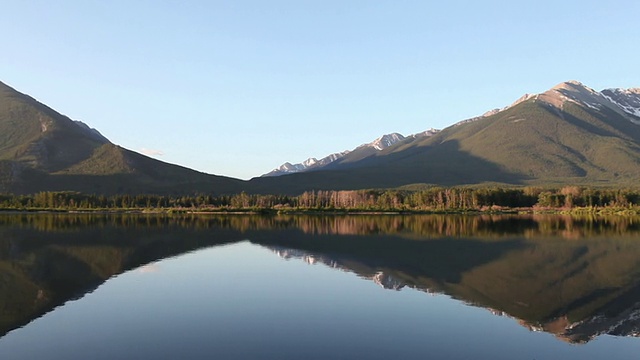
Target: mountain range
pixel 570 134
pixel 360 152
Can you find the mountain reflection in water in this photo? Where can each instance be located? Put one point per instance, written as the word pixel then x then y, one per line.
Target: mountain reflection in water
pixel 575 277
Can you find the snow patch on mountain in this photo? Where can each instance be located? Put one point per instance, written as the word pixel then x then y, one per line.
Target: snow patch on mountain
pixel 626 99
pixel 626 102
pixel 310 162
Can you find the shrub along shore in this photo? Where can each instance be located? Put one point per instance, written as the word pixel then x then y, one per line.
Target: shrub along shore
pixel 568 199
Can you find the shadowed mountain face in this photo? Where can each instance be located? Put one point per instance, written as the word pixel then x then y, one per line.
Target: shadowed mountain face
pixel 41 149
pixel 574 277
pixel 445 164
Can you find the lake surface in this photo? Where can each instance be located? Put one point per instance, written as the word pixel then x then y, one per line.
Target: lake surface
pixel 319 287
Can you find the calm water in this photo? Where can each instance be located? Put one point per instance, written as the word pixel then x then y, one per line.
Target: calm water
pixel 358 287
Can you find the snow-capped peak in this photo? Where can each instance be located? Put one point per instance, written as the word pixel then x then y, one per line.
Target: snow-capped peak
pixel 310 162
pixel 378 144
pixel 288 168
pixel 292 168
pixel 573 91
pixel 385 141
pixel 634 91
pixel 626 102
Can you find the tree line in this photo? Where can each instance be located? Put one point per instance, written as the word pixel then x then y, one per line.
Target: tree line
pixel 433 199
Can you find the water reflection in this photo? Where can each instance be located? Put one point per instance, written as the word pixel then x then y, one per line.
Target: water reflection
pixel 490 226
pixel 575 277
pixel 48 259
pixel 576 303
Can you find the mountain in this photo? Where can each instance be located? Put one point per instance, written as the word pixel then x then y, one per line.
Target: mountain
pixel 288 168
pixel 567 134
pixel 42 150
pixel 379 144
pixel 570 134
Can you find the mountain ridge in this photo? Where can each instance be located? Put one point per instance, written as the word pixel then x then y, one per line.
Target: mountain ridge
pixel 378 144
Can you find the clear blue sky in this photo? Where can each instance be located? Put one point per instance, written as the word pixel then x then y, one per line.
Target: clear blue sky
pixel 238 87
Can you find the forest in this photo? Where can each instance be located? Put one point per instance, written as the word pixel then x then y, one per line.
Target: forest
pixel 429 200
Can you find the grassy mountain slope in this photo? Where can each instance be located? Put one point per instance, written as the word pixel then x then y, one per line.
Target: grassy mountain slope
pixel 41 150
pixel 541 143
pixel 37 136
pixel 114 170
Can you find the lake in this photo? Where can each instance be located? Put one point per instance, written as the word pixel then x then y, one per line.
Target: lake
pixel 319 287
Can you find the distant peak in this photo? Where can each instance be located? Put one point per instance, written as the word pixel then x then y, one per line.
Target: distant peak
pixel 385 141
pixel 390 136
pixel 572 85
pixel 310 161
pixel 571 82
pixel 634 91
pixel 523 98
pixel 425 133
pixel 574 82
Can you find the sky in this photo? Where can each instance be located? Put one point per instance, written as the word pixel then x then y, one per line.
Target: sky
pixel 238 87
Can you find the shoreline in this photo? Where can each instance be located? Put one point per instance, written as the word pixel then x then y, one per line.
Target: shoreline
pixel 267 211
